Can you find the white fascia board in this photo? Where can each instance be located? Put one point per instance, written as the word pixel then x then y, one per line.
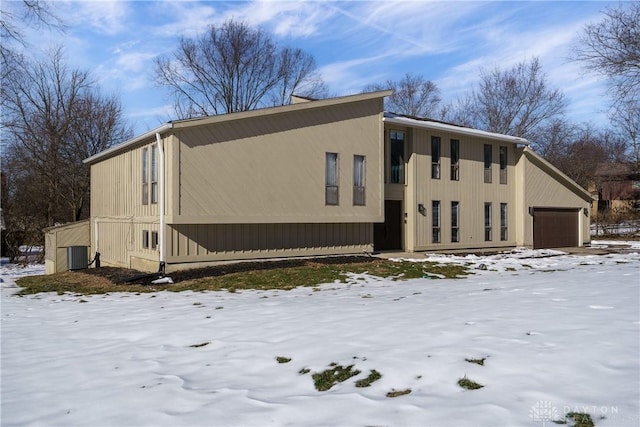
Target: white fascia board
pixel 406 121
pixel 123 145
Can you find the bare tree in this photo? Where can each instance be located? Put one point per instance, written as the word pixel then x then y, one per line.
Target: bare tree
pixel 412 95
pixel 625 115
pixel 234 67
pixel 611 48
pixel 54 118
pixel 514 101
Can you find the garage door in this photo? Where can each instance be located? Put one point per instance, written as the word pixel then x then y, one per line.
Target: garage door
pixel 555 228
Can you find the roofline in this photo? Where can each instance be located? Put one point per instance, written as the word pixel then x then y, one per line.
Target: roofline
pixel 201 121
pixel 124 145
pixel 558 174
pixel 431 124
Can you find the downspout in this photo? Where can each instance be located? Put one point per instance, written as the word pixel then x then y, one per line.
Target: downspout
pixel 161 178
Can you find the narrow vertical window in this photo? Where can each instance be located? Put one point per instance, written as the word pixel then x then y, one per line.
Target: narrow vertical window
pixel 503 222
pixel 145 239
pixel 358 180
pixel 487 222
pixel 503 165
pixel 145 176
pixel 488 155
pixel 455 160
pixel 154 174
pixel 435 157
pixel 154 240
pixel 435 221
pixel 397 157
pixel 455 224
pixel 331 179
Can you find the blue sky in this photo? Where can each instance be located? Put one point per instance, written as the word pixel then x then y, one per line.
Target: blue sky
pixel 354 43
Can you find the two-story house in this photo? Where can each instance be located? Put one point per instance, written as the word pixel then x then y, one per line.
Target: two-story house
pixel 332 176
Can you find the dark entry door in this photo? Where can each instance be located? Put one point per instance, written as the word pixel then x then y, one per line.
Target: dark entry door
pixel 555 228
pixel 388 235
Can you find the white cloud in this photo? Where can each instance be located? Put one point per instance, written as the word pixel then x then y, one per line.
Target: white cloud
pixel 104 17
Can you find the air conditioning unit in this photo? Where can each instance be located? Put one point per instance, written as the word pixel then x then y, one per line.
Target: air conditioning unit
pixel 77 257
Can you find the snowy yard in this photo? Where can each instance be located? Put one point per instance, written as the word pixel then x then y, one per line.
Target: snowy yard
pixel 558 333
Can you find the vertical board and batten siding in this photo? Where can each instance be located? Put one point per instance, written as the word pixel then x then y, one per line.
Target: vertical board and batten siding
pixel 470 191
pixel 58 239
pixel 271 168
pixel 542 190
pixel 117 213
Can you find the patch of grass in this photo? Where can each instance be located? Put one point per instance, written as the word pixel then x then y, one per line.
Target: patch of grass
pixel 477 361
pixel 199 345
pixel 304 371
pixel 580 419
pixel 397 393
pixel 281 359
pixel 466 383
pixel 373 377
pixel 326 379
pixel 302 273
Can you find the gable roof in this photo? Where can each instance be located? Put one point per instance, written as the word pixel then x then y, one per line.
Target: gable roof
pixel 412 121
pixel 208 120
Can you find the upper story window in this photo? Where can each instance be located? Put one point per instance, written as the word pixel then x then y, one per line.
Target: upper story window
pixel 435 157
pixel 154 174
pixel 358 180
pixel 488 158
pixel 396 142
pixel 503 165
pixel 331 179
pixel 145 176
pixel 455 160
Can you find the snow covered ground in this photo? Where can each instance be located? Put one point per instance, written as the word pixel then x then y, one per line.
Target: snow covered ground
pixel 558 333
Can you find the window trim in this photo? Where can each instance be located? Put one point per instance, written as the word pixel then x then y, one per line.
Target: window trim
pixel 154 174
pixel 145 176
pixel 504 222
pixel 145 239
pixel 503 164
pixel 455 160
pixel 455 222
pixel 400 174
pixel 332 181
pixel 436 156
pixel 359 191
pixel 487 221
pixel 436 221
pixel 488 161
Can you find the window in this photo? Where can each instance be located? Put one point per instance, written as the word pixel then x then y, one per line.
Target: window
pixel 154 239
pixel 435 210
pixel 331 179
pixel 358 180
pixel 503 165
pixel 145 176
pixel 487 222
pixel 397 157
pixel 455 160
pixel 145 239
pixel 488 155
pixel 503 221
pixel 154 174
pixel 435 157
pixel 455 224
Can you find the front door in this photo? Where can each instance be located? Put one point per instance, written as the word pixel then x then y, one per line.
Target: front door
pixel 388 235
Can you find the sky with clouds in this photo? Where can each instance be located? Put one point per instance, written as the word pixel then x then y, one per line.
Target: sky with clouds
pixel 354 43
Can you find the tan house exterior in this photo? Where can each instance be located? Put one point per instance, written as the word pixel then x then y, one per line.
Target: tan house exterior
pixel 333 176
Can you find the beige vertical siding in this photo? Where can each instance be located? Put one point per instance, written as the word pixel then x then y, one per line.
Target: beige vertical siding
pixel 272 168
pixel 470 191
pixel 58 239
pixel 212 242
pixel 544 187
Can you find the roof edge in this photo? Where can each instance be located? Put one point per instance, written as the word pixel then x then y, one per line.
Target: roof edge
pixel 431 124
pixel 126 144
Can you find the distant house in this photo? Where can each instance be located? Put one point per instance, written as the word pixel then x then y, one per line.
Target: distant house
pixel 616 188
pixel 332 176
